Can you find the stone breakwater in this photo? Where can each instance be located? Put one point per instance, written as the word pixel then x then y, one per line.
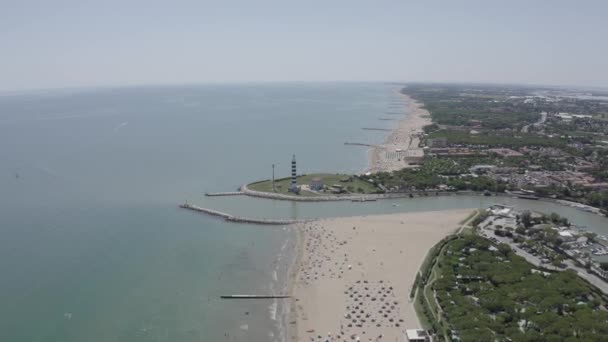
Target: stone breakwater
pixel 357 198
pixel 228 193
pixel 240 219
pixel 253 193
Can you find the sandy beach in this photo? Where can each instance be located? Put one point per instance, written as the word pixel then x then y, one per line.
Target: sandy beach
pixel 401 146
pixel 354 274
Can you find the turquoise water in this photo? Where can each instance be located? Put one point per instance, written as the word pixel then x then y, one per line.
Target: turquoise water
pixel 93 245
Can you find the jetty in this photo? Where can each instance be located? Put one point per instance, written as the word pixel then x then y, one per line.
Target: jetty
pixel 358 144
pixel 375 129
pixel 237 296
pixel 227 193
pixel 387 119
pixel 239 219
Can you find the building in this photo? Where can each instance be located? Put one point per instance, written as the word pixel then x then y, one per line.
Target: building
pixel 316 184
pixel 479 169
pixel 337 189
pixel 416 335
pixel 413 155
pixel 455 152
pixel 505 152
pixel 293 187
pixel 437 142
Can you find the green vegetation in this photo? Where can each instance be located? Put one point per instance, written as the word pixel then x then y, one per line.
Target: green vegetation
pixel 434 172
pixel 555 129
pixel 350 184
pixel 492 139
pixel 461 105
pixel 491 294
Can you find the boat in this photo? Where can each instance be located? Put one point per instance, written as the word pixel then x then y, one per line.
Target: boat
pixel 528 197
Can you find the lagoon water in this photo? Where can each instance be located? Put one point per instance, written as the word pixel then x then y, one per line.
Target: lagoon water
pixel 93 246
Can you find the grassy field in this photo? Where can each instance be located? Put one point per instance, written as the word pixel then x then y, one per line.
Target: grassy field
pixel 353 184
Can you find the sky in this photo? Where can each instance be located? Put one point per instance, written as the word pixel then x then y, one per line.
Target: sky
pixel 61 43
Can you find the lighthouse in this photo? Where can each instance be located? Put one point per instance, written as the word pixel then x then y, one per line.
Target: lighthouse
pixel 293 187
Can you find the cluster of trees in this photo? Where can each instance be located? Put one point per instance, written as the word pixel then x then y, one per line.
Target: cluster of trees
pixel 527 220
pixel 597 199
pixel 489 295
pixel 453 105
pixel 498 139
pixel 434 172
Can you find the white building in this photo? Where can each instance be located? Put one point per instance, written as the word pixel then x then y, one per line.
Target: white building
pixel 416 335
pixel 316 184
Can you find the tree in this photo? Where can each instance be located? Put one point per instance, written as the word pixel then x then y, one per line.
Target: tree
pixel 526 219
pixel 504 249
pixel 591 237
pixel 604 265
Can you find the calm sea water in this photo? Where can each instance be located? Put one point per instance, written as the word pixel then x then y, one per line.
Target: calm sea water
pixel 93 246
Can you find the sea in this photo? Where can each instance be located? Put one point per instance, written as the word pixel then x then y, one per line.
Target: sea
pixel 93 246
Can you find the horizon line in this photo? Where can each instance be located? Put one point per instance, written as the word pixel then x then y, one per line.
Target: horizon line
pixel 92 87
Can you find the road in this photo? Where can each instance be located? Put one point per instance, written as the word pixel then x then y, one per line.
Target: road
pixel 543 118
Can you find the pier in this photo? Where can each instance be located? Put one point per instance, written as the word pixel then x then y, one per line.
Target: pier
pixel 236 296
pixel 387 119
pixel 376 129
pixel 239 219
pixel 358 144
pixel 228 193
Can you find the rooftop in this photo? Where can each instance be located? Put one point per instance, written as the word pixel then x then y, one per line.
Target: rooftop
pixel 415 334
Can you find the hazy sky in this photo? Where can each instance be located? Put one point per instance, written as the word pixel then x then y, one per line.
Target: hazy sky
pixel 60 43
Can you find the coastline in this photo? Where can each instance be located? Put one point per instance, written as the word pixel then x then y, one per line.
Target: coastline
pixel 343 264
pixel 289 314
pixel 320 306
pixel 401 140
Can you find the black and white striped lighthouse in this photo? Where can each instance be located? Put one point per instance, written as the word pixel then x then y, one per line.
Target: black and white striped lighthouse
pixel 293 187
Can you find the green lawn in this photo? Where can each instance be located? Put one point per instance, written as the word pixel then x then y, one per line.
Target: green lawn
pixel 355 184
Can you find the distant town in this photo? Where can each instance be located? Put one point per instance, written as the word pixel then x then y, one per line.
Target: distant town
pixel 529 141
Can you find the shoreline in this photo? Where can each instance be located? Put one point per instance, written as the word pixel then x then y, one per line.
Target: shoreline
pixel 400 138
pixel 289 315
pixel 342 258
pixel 396 195
pixel 298 314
